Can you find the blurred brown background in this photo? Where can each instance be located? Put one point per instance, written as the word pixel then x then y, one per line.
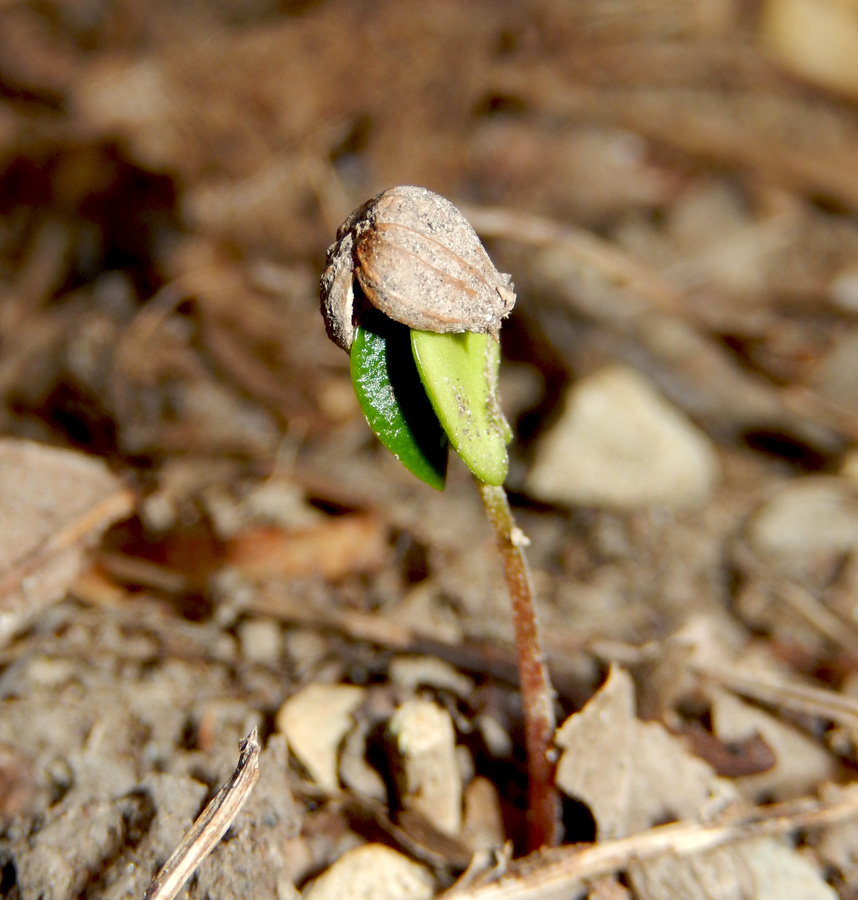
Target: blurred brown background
pixel 186 166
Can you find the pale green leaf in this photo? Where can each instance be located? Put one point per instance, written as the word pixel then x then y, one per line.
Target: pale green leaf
pixel 459 373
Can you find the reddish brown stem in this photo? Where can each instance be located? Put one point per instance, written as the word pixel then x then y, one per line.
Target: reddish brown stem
pixel 536 693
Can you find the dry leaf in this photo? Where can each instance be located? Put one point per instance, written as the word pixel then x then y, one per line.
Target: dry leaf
pixel 779 873
pixel 718 875
pixel 631 774
pixel 595 765
pixel 763 869
pixel 335 548
pixel 54 502
pixel 634 775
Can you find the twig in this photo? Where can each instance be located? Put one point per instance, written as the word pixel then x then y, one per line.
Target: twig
pixel 778 692
pixel 210 826
pixel 559 872
pixel 537 695
pixel 837 629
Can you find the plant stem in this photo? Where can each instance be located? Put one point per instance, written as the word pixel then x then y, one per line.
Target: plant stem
pixel 536 693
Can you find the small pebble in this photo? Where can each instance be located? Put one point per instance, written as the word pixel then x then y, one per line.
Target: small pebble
pixel 814 39
pixel 372 871
pixel 483 826
pixel 430 778
pixel 261 641
pixel 314 722
pixel 621 444
pixel 809 516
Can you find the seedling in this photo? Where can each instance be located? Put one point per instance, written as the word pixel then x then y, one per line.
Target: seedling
pixel 410 292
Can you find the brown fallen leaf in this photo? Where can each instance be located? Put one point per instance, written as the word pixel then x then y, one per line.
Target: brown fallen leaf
pixel 336 548
pixel 52 504
pixel 597 750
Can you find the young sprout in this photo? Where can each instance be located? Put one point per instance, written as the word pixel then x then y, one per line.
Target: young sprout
pixel 410 292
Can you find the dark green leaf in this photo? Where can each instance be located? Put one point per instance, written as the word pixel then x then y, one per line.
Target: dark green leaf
pixel 394 402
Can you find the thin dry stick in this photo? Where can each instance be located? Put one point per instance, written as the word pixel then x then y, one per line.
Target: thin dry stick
pixel 211 825
pixel 785 694
pixel 562 872
pixel 838 629
pixel 537 695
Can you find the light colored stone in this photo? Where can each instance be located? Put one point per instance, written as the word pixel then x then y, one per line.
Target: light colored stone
pixel 315 721
pixel 843 290
pixel 483 826
pixel 814 39
pixel 372 872
pixel 808 516
pixel 261 641
pixel 429 775
pixel 849 466
pixel 620 444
